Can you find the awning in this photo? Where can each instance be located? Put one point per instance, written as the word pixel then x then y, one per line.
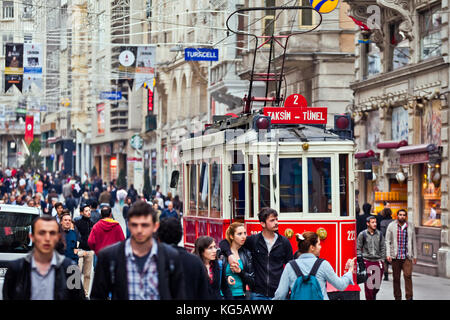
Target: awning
pixel 392 144
pixel 366 154
pixel 414 154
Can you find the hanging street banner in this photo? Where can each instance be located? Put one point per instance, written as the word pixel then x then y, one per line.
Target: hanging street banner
pixel 145 66
pixel 100 118
pixel 127 64
pixel 29 126
pixel 13 79
pixel 201 54
pixel 14 58
pixel 13 65
pixel 32 66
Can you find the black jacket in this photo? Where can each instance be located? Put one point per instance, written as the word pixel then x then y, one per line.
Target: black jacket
pixel 247 274
pixel 110 275
pixel 84 226
pixel 219 283
pixel 268 267
pixel 17 285
pixel 195 278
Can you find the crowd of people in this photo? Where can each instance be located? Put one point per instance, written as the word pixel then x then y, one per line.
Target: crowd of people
pixel 146 262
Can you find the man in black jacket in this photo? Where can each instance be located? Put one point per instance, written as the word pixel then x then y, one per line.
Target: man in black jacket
pixel 361 220
pixel 139 268
pixel 170 231
pixel 84 226
pixel 270 252
pixel 44 274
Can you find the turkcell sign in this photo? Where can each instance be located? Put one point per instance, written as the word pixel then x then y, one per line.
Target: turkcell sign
pixel 201 54
pixel 296 115
pixel 111 95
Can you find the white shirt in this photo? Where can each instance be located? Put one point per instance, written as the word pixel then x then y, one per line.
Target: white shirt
pixel 270 244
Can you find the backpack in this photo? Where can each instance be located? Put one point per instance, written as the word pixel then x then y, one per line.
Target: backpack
pixel 306 287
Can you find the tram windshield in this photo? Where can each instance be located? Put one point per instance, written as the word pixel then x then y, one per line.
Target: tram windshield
pixel 319 185
pixel 291 191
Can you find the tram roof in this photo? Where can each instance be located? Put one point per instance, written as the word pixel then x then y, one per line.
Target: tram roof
pixel 299 134
pixel 290 134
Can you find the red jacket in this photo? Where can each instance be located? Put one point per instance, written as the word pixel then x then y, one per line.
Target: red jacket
pixel 104 233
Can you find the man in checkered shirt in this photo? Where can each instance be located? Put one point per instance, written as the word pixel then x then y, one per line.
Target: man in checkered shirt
pixel 139 268
pixel 401 252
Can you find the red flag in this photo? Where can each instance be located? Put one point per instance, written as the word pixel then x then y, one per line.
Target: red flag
pixel 29 125
pixel 8 231
pixel 361 24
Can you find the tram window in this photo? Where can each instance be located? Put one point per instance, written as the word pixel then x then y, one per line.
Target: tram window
pixel 238 197
pixel 215 190
pixel 264 181
pixel 193 189
pixel 319 184
pixel 203 190
pixel 343 184
pixel 291 191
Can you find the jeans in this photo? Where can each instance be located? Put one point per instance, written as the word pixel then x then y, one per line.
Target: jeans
pixel 259 296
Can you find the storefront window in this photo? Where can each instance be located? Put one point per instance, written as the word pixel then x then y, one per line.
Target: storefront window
pixel 432 123
pixel 373 125
pixel 431 195
pixel 399 124
pixel 319 184
pixel 291 191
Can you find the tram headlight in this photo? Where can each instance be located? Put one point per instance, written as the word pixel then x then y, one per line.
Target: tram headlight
pixel 305 146
pixel 261 123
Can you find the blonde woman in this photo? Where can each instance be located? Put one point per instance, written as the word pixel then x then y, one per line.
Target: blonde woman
pixel 239 274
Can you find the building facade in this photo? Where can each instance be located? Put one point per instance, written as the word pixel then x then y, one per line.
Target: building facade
pixel 19 23
pixel 401 118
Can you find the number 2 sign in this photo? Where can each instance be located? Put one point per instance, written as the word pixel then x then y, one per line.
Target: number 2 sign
pixel 295 101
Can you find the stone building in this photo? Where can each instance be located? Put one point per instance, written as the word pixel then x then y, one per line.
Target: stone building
pixel 401 117
pixel 19 23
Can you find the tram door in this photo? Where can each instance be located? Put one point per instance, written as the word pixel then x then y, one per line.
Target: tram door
pixel 238 186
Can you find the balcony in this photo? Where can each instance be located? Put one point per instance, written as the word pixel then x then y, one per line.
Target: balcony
pixel 150 122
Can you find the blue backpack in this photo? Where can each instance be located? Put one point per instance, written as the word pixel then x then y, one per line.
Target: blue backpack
pixel 306 287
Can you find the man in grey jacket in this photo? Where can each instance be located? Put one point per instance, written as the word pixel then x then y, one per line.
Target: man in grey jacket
pixel 371 247
pixel 401 252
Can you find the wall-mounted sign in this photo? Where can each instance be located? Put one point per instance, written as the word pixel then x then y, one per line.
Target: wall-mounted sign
pixel 111 95
pixel 201 54
pixel 137 142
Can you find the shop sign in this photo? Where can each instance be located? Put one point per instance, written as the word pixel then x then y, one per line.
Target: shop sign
pixel 137 142
pixel 414 158
pixel 392 162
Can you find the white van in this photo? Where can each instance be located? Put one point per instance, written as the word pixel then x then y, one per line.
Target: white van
pixel 15 228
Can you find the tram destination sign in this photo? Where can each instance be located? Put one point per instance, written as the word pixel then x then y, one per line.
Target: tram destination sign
pixel 313 115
